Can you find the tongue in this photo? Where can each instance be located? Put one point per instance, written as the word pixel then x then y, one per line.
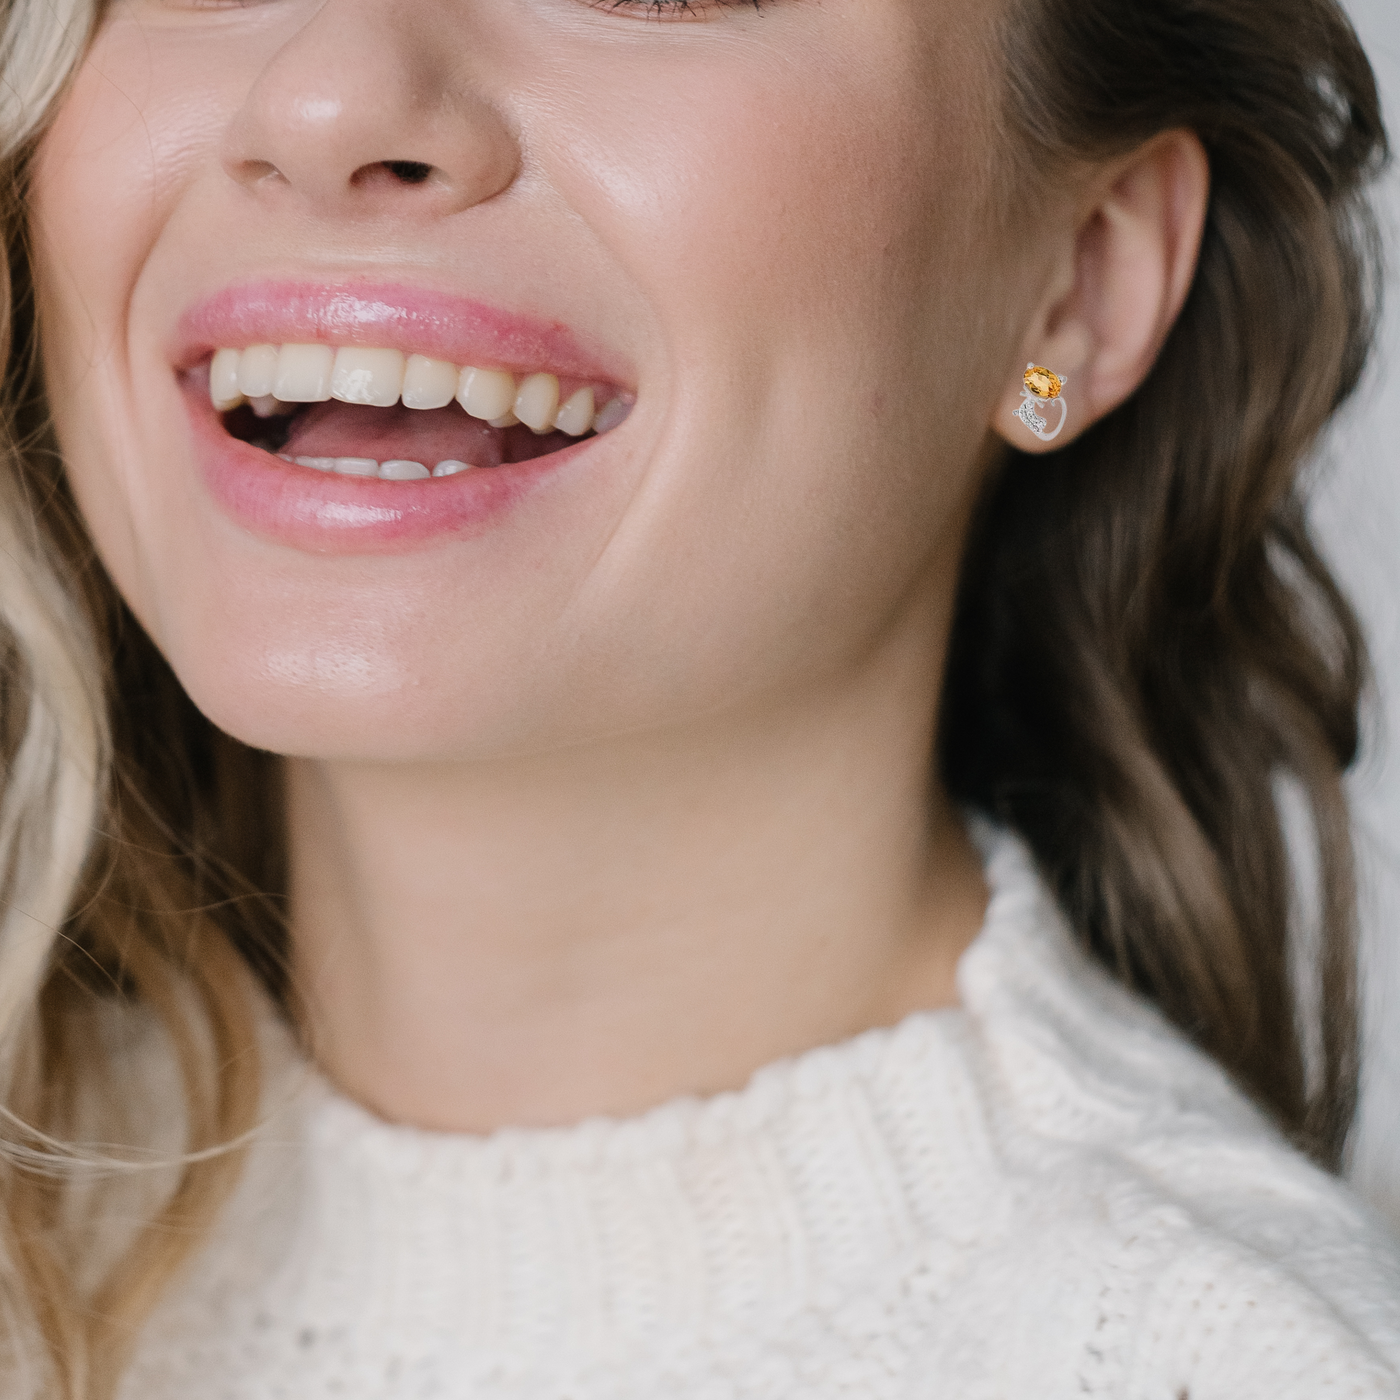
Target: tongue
pixel 335 429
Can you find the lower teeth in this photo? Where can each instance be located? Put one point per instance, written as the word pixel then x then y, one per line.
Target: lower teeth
pixel 277 427
pixel 396 469
pixel 400 470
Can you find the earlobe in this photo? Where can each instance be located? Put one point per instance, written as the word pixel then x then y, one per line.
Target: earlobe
pixel 1035 415
pixel 1134 254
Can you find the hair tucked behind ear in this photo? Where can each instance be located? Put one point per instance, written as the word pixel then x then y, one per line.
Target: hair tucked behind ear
pixel 1147 640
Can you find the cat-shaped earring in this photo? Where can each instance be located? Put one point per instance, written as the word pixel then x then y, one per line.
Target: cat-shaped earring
pixel 1043 386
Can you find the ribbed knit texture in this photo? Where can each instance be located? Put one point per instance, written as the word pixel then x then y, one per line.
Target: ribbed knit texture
pixel 1045 1193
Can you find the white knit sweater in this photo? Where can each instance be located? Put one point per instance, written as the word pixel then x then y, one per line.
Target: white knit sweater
pixel 1041 1195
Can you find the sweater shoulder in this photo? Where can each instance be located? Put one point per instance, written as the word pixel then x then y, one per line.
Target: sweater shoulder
pixel 1236 1257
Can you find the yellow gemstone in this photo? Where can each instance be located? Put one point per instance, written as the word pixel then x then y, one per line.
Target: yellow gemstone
pixel 1043 383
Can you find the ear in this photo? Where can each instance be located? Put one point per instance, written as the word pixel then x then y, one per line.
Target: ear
pixel 1112 295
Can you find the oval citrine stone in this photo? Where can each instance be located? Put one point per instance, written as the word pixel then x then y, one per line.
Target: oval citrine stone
pixel 1043 383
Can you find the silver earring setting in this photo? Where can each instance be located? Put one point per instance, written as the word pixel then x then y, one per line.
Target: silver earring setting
pixel 1042 386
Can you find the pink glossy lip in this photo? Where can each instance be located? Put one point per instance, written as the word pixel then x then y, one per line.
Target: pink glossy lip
pixel 325 513
pixel 410 319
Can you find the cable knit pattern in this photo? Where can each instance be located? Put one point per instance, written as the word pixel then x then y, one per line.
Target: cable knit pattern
pixel 1045 1193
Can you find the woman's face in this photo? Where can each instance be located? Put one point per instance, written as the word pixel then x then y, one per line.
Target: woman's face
pixel 766 226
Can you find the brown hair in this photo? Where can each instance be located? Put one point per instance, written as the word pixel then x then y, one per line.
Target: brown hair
pixel 1147 641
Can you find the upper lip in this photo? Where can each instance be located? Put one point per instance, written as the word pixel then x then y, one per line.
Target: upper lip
pixel 389 316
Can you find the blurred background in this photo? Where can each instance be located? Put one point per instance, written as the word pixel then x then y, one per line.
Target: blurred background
pixel 1356 509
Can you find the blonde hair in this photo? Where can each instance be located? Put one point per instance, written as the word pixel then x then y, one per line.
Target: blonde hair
pixel 100 894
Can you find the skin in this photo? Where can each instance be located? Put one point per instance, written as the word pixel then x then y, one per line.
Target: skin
pixel 628 796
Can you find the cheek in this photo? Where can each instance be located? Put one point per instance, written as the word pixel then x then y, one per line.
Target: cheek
pixel 812 197
pixel 122 149
pixel 801 213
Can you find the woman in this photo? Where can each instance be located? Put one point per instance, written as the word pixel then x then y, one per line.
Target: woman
pixel 704 607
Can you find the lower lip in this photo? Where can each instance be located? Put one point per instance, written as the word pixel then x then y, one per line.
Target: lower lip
pixel 326 513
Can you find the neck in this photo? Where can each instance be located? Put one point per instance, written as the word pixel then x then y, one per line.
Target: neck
pixel 534 941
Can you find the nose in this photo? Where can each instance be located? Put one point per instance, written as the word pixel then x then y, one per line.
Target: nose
pixel 365 110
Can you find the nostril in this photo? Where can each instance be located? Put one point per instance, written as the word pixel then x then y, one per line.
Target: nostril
pixel 256 172
pixel 385 174
pixel 410 172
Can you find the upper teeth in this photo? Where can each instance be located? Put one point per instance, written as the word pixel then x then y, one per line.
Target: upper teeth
pixel 272 374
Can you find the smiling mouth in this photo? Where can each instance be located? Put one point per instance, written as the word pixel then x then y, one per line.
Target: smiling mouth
pixel 365 412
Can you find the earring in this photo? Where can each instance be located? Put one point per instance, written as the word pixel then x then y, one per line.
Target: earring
pixel 1042 386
